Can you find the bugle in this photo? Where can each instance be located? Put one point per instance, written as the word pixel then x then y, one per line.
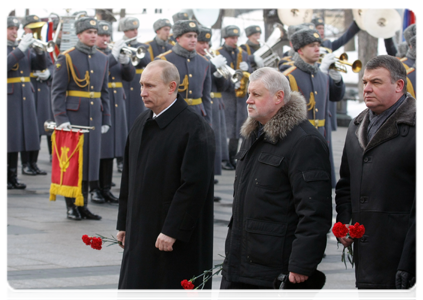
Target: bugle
pixel 342 62
pixel 129 51
pixel 50 126
pixel 225 70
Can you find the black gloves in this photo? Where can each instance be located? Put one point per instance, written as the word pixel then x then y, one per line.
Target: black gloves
pixel 404 280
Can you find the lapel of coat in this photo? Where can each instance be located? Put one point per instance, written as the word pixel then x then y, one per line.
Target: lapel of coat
pixel 405 114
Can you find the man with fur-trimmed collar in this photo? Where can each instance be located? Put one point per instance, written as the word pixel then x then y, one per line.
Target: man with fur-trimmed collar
pixel 194 69
pixel 377 187
pixel 282 208
pixel 318 84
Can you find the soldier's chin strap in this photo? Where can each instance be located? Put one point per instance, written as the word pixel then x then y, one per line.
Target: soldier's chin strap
pixel 78 81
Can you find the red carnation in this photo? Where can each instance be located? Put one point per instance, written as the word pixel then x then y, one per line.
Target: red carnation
pixel 86 239
pixel 192 295
pixel 356 230
pixel 187 285
pixel 96 243
pixel 339 230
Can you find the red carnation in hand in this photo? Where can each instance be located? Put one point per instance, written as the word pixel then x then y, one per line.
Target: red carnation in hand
pixel 187 285
pixel 192 295
pixel 356 230
pixel 86 239
pixel 96 243
pixel 339 230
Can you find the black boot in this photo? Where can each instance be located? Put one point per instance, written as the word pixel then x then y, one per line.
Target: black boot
pixel 34 167
pixel 8 186
pixel 233 149
pixel 72 211
pixel 96 196
pixel 27 170
pixel 83 210
pixel 13 180
pixel 226 165
pixel 105 180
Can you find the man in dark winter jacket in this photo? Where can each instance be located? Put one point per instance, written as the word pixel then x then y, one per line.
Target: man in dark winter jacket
pixel 378 179
pixel 282 207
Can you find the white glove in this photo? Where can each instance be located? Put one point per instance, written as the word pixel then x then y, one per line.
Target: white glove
pixel 326 62
pixel 26 41
pixel 259 61
pixel 335 75
pixel 42 75
pixel 243 66
pixel 123 59
pixel 66 125
pixel 104 128
pixel 117 47
pixel 237 85
pixel 218 61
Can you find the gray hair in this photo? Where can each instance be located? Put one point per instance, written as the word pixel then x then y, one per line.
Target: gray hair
pixel 169 72
pixel 393 65
pixel 273 81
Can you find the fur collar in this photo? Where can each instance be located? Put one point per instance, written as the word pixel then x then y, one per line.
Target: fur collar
pixel 405 114
pixel 288 116
pixel 303 66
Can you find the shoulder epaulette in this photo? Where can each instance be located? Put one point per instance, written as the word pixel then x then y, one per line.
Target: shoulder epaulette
pixel 203 56
pixel 289 71
pixel 69 50
pixel 410 70
pixel 102 52
pixel 403 59
pixel 148 43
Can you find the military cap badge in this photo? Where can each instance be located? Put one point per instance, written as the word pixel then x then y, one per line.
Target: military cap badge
pixel 15 21
pixel 311 26
pixel 105 27
pixel 208 35
pixel 235 30
pixel 192 24
pixel 135 23
pixel 167 21
pixel 316 35
pixel 92 22
pixel 258 28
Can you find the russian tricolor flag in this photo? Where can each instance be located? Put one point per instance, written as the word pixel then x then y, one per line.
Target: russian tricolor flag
pixel 408 19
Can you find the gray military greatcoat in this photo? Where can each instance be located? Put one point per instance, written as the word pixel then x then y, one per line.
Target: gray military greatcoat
pixel 81 109
pixel 235 107
pixel 113 142
pixel 42 96
pixel 22 124
pixel 133 100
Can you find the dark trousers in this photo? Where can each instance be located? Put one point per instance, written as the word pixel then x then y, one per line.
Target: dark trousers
pixel 378 294
pixel 12 160
pixel 242 291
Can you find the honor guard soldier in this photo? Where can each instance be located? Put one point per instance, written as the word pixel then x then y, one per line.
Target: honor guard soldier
pixel 409 61
pixel 236 94
pixel 413 74
pixel 41 81
pixel 317 85
pixel 80 96
pixel 160 43
pixel 180 16
pixel 134 104
pixel 22 124
pixel 219 84
pixel 253 34
pixel 194 69
pixel 113 141
pixel 352 30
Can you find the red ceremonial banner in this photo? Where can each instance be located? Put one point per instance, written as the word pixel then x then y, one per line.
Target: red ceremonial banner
pixel 66 173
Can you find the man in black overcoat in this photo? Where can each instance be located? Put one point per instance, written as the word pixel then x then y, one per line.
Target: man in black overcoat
pixel 377 186
pixel 165 218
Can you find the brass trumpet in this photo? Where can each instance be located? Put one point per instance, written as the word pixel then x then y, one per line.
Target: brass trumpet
pixel 225 70
pixel 135 59
pixel 342 62
pixel 50 126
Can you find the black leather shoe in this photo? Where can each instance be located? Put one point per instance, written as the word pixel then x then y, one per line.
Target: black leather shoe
pixel 120 167
pixel 73 213
pixel 216 199
pixel 226 165
pixel 16 184
pixel 109 197
pixel 37 170
pixel 27 170
pixel 86 214
pixel 9 186
pixel 96 196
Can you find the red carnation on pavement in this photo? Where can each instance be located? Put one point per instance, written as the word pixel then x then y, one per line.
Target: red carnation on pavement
pixel 187 285
pixel 86 239
pixel 356 230
pixel 339 230
pixel 96 243
pixel 192 295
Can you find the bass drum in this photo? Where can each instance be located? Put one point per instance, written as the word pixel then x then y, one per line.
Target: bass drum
pixel 295 16
pixel 206 17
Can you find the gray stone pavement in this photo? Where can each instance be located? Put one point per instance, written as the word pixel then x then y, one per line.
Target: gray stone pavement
pixel 45 250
